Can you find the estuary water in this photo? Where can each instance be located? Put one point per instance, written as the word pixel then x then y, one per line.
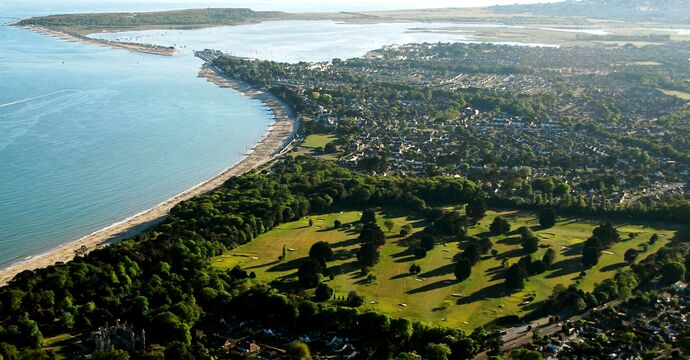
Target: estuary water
pixel 90 136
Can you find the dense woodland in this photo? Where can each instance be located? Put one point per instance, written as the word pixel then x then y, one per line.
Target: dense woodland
pixel 161 281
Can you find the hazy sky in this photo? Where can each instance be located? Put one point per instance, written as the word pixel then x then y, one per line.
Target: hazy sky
pixel 52 6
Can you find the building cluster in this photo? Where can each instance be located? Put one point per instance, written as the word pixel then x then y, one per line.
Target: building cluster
pixel 596 118
pixel 632 330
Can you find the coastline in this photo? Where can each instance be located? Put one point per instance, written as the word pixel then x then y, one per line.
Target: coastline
pixel 142 48
pixel 277 140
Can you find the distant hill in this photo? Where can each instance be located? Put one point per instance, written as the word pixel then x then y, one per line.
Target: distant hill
pixel 670 11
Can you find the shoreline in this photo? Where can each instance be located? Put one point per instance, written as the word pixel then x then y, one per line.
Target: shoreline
pixel 275 142
pixel 134 47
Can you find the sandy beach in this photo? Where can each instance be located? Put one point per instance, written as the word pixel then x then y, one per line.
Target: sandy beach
pixel 276 142
pixel 142 48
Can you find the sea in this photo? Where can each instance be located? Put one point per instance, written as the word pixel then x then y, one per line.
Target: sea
pixel 90 136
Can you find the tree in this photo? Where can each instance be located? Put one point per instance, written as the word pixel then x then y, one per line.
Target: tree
pixel 476 209
pixel 591 251
pixel 630 256
pixel 415 269
pixel 419 252
pixel 368 255
pixel 354 299
pixel 30 335
pixel 653 238
pixel 607 234
pixel 525 354
pixel 547 218
pixel 499 226
pixel 530 244
pixel 372 234
pixel 549 257
pixel 298 350
pixel 437 352
pixel 427 242
pixel 330 148
pixel 485 245
pixel 463 269
pixel 473 253
pixel 322 252
pixel 405 230
pixel 590 256
pixel 112 354
pixel 309 273
pixel 388 224
pixel 672 272
pixel 368 216
pixel 515 276
pixel 323 293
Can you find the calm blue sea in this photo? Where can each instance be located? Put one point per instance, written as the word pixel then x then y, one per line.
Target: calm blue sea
pixel 90 136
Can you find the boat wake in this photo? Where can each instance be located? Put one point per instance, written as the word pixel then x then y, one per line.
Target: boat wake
pixel 34 98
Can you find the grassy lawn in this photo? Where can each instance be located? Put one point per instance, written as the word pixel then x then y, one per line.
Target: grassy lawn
pixel 56 343
pixel 315 142
pixel 679 94
pixel 434 296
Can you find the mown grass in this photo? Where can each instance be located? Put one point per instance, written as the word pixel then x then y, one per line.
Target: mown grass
pixel 57 343
pixel 317 141
pixel 313 144
pixel 679 94
pixel 434 296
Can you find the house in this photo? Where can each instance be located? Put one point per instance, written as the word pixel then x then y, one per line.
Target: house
pixel 679 286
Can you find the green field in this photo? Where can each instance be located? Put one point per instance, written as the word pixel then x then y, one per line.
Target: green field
pixel 56 343
pixel 317 141
pixel 313 144
pixel 679 94
pixel 434 296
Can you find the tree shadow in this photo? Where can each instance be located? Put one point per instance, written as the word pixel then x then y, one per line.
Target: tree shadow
pixel 494 291
pixel 400 276
pixel 440 271
pixel 574 250
pixel 485 234
pixel 495 273
pixel 511 254
pixel 565 267
pixel 613 267
pixel 288 266
pixel 536 228
pixel 401 260
pixel 344 268
pixel 407 241
pixel 346 243
pixel 513 240
pixel 343 254
pixel 433 286
pixel 263 265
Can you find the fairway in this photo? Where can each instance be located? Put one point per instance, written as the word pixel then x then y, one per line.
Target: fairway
pixel 434 296
pixel 313 145
pixel 679 94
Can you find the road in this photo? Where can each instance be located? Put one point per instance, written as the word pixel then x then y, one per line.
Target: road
pixel 518 336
